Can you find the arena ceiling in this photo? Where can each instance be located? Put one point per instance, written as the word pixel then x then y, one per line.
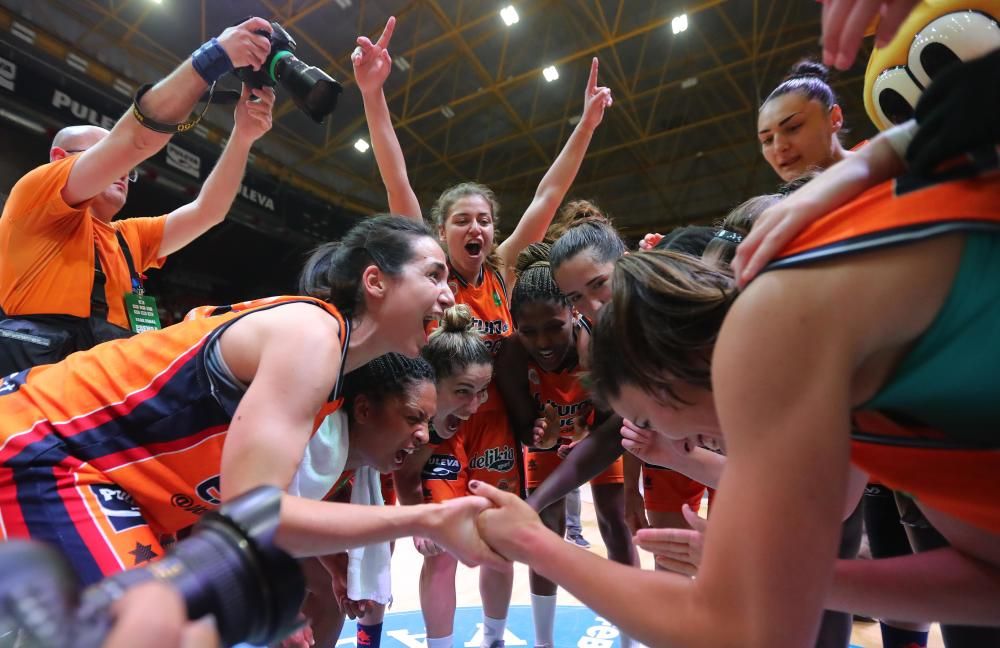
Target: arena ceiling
pixel 470 102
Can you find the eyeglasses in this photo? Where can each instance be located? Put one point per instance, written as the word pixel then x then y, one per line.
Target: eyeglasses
pixel 133 174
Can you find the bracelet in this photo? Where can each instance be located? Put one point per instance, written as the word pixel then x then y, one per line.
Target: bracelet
pixel 211 61
pixel 161 127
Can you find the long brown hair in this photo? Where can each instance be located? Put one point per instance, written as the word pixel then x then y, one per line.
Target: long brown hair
pixel 661 324
pixel 451 195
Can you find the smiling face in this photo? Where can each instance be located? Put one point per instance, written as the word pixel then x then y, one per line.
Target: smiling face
pixel 694 420
pixel 459 397
pixel 798 134
pixel 383 434
pixel 414 297
pixel 586 282
pixel 468 234
pixel 546 331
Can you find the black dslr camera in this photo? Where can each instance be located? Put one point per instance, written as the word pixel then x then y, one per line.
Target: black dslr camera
pixel 228 567
pixel 312 89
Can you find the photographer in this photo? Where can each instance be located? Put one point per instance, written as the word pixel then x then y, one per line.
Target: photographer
pixel 69 276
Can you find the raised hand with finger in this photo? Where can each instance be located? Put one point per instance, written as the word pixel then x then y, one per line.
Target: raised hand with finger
pixel 371 61
pixel 596 99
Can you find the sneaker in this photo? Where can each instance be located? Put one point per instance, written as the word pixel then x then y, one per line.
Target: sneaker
pixel 578 540
pixel 497 644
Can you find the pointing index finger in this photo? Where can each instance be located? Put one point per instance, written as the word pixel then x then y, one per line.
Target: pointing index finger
pixel 390 26
pixel 592 81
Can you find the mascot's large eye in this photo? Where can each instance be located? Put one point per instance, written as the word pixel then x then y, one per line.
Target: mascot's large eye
pixel 895 96
pixel 954 37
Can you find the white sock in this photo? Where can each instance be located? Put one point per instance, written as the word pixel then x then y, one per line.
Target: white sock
pixel 627 641
pixel 543 612
pixel 439 642
pixel 492 630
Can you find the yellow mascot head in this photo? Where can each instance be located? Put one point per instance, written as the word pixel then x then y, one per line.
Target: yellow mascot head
pixel 936 34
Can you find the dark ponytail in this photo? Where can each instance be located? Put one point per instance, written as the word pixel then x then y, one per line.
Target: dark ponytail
pixel 333 271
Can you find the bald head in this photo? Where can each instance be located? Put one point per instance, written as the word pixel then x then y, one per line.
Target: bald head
pixel 77 138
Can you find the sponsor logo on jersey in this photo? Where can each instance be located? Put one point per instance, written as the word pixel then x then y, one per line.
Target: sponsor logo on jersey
pixel 494 459
pixel 118 507
pixel 441 466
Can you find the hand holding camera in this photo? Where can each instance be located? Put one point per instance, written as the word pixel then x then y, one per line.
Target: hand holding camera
pixel 247 44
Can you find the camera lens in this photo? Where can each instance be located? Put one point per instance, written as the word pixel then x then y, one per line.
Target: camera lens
pixel 313 90
pixel 227 567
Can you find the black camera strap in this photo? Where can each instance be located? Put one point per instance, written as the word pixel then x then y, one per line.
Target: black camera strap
pixel 160 127
pixel 98 297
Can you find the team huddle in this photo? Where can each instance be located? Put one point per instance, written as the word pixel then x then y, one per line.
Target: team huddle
pixel 837 333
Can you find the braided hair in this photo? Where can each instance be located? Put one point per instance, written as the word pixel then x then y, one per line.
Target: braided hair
pixel 534 279
pixel 387 376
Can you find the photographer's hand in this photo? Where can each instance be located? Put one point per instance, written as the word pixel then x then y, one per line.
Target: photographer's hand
pixel 244 45
pixel 153 615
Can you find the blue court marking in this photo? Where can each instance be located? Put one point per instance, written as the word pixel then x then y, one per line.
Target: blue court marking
pixel 576 627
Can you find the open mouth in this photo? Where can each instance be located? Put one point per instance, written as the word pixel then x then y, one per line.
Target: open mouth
pixel 474 248
pixel 547 354
pixel 402 455
pixel 452 423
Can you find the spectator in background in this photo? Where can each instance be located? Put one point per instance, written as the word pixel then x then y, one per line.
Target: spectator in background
pixel 69 275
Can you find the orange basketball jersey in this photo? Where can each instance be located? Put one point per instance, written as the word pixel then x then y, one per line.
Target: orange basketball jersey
pixel 894 447
pixel 143 413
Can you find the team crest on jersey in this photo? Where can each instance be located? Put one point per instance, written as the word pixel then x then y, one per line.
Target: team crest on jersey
pixel 209 491
pixel 494 459
pixel 533 376
pixel 118 507
pixel 442 466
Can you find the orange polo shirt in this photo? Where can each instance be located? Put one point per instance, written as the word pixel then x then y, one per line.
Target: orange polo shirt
pixel 47 249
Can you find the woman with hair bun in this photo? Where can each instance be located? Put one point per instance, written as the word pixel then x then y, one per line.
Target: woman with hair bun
pixel 800 122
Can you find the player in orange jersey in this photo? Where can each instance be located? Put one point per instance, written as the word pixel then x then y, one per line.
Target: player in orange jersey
pixel 112 448
pixel 538 373
pixel 481 273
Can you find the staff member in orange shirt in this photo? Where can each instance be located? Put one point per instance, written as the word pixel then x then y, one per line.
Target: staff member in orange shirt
pixel 69 275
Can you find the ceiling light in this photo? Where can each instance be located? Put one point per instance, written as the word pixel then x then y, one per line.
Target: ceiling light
pixel 550 73
pixel 401 63
pixel 343 4
pixel 509 15
pixel 447 112
pixel 361 145
pixel 679 23
pixel 689 82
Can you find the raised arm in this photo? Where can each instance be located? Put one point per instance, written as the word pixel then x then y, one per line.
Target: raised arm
pixel 372 65
pixel 170 101
pixel 188 222
pixel 557 180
